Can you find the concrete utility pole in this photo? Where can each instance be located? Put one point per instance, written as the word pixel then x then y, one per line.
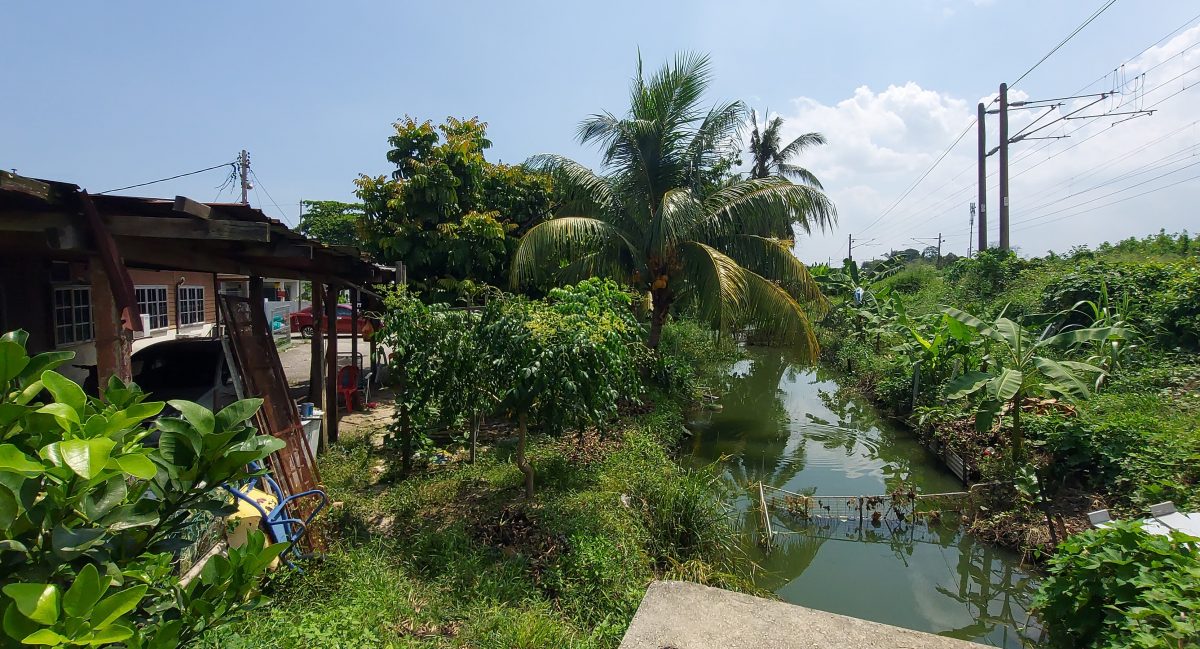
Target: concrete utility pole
pixel 244 172
pixel 1004 167
pixel 850 246
pixel 970 230
pixel 982 177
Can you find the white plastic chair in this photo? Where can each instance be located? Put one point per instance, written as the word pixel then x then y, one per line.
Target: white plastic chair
pixel 1099 517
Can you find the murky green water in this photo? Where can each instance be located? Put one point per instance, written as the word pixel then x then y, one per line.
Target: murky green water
pixel 793 429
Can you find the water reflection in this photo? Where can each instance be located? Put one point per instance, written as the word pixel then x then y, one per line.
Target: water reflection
pixel 792 428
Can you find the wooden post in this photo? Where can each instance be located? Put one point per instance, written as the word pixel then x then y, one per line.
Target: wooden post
pixel 114 343
pixel 354 328
pixel 316 367
pixel 331 368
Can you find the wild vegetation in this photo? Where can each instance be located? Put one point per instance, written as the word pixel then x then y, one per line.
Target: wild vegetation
pixel 457 554
pixel 1077 380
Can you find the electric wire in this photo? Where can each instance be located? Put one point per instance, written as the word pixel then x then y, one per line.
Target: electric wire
pixel 162 180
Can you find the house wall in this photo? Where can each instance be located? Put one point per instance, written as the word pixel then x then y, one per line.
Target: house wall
pixel 172 280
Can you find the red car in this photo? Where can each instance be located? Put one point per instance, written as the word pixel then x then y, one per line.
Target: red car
pixel 302 321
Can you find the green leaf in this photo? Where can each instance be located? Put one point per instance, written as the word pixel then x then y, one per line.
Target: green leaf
pixel 1084 335
pixel 966 384
pixel 237 412
pixel 12 459
pixel 45 637
pixel 198 416
pixel 137 465
pixel 9 508
pixel 111 634
pixel 1063 381
pixel 86 457
pixel 10 412
pixel 42 362
pixel 19 336
pixel 38 602
pixel 1006 386
pixel 71 543
pixel 12 361
pixel 65 391
pixel 85 592
pixel 61 411
pixel 111 608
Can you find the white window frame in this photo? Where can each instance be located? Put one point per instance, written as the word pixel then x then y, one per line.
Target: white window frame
pixel 77 331
pixel 189 317
pixel 163 318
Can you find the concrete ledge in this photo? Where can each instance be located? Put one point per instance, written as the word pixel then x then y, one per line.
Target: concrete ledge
pixel 679 615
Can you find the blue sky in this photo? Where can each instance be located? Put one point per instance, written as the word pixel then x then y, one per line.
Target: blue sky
pixel 115 93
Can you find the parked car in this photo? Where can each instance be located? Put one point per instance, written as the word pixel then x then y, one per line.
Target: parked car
pixel 193 369
pixel 302 321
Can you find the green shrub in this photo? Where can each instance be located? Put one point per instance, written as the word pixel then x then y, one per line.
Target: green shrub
pixel 79 489
pixel 1122 587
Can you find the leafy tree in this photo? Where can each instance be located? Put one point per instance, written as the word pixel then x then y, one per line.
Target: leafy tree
pixel 91 517
pixel 445 211
pixel 769 157
pixel 331 222
pixel 654 223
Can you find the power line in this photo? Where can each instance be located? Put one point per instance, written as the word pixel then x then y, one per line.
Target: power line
pixel 258 183
pixel 938 161
pixel 162 180
pixel 1122 200
pixel 1112 193
pixel 924 175
pixel 1064 41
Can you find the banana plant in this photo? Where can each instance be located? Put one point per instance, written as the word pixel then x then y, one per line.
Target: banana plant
pixel 1110 353
pixel 1019 366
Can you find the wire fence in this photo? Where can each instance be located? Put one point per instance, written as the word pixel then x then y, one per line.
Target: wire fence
pixel 902 509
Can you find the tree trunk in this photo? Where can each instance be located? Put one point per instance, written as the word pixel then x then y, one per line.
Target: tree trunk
pixel 1017 438
pixel 522 464
pixel 406 432
pixel 662 307
pixel 476 422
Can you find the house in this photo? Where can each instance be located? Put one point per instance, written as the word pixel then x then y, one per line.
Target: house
pixel 103 275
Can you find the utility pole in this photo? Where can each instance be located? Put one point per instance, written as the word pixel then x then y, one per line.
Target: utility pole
pixel 971 231
pixel 244 173
pixel 982 177
pixel 1027 133
pixel 1004 167
pixel 939 257
pixel 850 247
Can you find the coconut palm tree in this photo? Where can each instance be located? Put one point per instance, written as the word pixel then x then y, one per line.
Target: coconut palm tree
pixel 770 159
pixel 651 221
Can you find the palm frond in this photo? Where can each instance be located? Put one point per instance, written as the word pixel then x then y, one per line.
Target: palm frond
pixel 717 135
pixel 726 293
pixel 801 144
pixel 716 284
pixel 773 259
pixel 568 238
pixel 770 309
pixel 767 207
pixel 679 214
pixel 799 173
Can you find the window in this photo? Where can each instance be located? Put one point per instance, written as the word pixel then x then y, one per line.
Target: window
pixel 343 312
pixel 152 301
pixel 72 314
pixel 191 305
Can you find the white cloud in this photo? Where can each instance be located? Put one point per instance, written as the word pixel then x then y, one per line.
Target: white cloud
pixel 880 142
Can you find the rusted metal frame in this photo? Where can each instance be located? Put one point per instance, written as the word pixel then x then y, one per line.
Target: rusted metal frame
pixel 331 366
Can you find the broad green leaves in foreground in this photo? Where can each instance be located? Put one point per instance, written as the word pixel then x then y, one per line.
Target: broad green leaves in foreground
pixel 91 517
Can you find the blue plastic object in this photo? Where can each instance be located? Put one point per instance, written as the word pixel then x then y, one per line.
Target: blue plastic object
pixel 280 525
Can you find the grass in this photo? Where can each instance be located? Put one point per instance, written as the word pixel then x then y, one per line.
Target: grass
pixel 455 557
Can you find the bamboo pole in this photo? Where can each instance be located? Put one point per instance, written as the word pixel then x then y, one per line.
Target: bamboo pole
pixel 769 533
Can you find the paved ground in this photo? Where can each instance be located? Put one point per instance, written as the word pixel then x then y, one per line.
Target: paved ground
pixel 678 615
pixel 296 359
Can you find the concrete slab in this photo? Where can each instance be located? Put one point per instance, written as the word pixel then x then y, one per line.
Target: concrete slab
pixel 679 615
